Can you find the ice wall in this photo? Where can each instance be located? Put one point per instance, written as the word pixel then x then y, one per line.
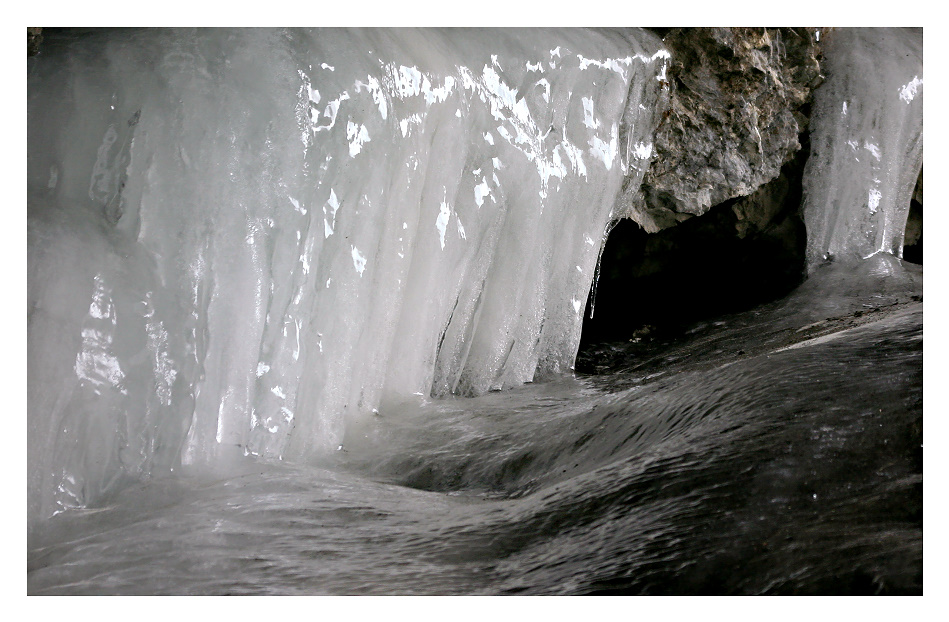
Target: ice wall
pixel 866 144
pixel 248 240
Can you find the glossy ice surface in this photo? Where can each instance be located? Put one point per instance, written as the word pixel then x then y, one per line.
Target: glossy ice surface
pixel 866 143
pixel 252 239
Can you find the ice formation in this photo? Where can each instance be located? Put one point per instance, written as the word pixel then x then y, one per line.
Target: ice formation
pixel 249 240
pixel 866 144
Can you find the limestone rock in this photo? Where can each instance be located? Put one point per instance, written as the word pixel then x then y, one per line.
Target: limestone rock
pixel 732 120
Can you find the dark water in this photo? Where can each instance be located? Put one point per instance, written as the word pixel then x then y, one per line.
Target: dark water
pixel 774 452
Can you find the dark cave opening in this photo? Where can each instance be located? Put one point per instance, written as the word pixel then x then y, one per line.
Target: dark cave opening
pixel 697 270
pixel 725 261
pixel 719 263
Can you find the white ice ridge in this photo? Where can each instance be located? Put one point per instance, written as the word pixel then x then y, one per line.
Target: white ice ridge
pixel 183 289
pixel 866 144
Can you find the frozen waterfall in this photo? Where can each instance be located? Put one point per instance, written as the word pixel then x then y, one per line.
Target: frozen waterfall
pixel 866 144
pixel 246 241
pixel 252 242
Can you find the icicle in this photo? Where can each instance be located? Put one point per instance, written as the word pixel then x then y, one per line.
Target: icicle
pixel 866 144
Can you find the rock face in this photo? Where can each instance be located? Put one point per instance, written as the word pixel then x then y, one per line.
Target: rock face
pixel 732 120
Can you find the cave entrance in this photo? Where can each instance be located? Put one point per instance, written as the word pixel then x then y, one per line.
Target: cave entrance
pixel 702 268
pixel 705 267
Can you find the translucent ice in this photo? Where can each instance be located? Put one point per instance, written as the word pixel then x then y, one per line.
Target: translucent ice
pixel 866 144
pixel 246 241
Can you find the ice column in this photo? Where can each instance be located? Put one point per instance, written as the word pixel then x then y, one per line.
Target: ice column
pixel 866 144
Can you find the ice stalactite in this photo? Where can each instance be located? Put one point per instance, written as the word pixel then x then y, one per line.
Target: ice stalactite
pixel 245 241
pixel 866 144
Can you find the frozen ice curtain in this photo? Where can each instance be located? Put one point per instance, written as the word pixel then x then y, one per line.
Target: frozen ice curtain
pixel 245 241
